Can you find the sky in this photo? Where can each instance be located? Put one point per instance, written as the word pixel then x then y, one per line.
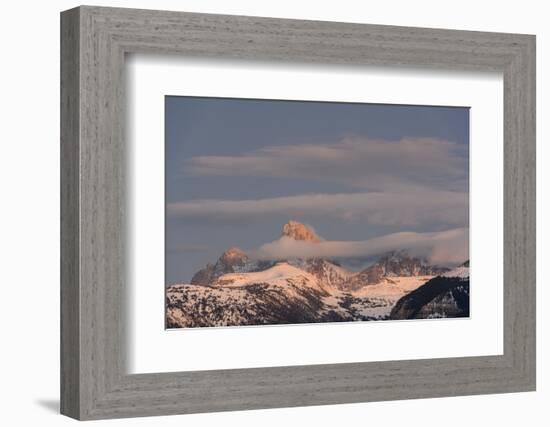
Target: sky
pixel 367 178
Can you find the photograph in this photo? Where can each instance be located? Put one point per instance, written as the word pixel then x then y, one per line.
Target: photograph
pixel 292 212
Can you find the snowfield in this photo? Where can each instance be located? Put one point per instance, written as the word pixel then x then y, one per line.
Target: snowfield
pixel 394 287
pixel 281 274
pixel 461 272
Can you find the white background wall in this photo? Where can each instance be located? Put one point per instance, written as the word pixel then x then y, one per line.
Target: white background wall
pixel 29 214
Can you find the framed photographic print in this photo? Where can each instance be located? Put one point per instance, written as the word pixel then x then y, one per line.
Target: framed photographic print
pixel 345 212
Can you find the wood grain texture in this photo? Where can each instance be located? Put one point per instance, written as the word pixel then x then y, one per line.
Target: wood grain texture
pixel 94 381
pixel 70 263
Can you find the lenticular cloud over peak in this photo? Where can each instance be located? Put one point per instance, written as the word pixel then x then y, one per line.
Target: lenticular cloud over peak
pixel 448 247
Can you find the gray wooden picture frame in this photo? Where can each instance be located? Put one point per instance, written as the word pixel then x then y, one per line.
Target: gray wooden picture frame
pixel 94 382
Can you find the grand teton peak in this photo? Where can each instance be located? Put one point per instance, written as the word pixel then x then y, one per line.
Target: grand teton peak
pixel 298 231
pixel 232 255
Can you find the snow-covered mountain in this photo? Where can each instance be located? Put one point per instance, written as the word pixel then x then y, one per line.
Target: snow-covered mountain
pixel 329 274
pixel 393 264
pixel 281 294
pixel 238 290
pixel 233 260
pixel 461 272
pixel 446 295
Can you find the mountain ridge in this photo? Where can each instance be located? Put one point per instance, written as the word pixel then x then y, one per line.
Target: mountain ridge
pixel 392 263
pixel 446 295
pixel 240 290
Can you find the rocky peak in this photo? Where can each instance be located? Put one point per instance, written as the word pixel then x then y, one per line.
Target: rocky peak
pixel 393 264
pixel 233 255
pixel 400 263
pixel 298 231
pixel 233 260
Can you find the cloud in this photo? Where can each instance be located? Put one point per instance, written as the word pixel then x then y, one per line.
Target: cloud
pixel 448 247
pixel 372 164
pixel 375 208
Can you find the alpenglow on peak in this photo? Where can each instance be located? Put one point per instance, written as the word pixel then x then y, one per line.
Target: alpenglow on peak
pixel 298 231
pixel 233 254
